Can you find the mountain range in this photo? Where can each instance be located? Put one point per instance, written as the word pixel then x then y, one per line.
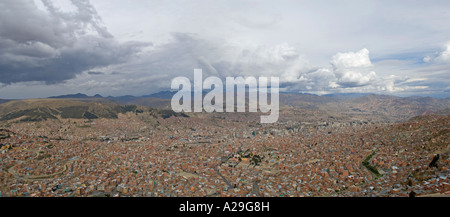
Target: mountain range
pixel 351 106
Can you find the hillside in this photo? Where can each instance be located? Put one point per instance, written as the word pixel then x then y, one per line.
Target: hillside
pixel 3 101
pixel 151 102
pixel 352 106
pixel 400 108
pixel 43 109
pixel 294 106
pixel 368 107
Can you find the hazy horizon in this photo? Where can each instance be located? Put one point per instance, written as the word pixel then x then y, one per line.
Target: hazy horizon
pixel 350 95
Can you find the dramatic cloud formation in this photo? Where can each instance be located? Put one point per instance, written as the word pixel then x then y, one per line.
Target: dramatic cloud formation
pixel 115 48
pixel 54 46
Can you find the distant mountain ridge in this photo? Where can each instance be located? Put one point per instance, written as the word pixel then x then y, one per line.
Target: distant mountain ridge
pixel 346 95
pixel 77 95
pixel 4 101
pixel 166 94
pixel 369 106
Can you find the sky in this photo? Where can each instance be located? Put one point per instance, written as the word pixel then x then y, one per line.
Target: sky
pixel 116 47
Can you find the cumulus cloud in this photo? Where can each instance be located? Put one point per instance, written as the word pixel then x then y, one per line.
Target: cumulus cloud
pixel 353 72
pixel 441 57
pixel 444 56
pixel 353 69
pixel 351 59
pixel 53 46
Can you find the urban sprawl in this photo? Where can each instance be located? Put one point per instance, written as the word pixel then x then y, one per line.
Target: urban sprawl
pixel 198 156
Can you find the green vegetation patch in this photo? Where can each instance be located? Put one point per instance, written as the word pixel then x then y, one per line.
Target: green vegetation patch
pixel 89 115
pixel 73 111
pixel 370 167
pixel 43 156
pixel 169 113
pixel 129 108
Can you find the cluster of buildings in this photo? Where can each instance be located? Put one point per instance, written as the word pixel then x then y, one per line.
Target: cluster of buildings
pixel 198 156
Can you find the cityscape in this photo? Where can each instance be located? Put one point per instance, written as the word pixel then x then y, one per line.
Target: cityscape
pixel 144 152
pixel 224 99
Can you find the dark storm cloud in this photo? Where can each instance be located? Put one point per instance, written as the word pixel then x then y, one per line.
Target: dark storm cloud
pixel 95 73
pixel 53 46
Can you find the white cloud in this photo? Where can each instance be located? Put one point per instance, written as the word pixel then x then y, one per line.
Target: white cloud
pixel 444 56
pixel 351 59
pixel 440 57
pixel 280 60
pixel 353 69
